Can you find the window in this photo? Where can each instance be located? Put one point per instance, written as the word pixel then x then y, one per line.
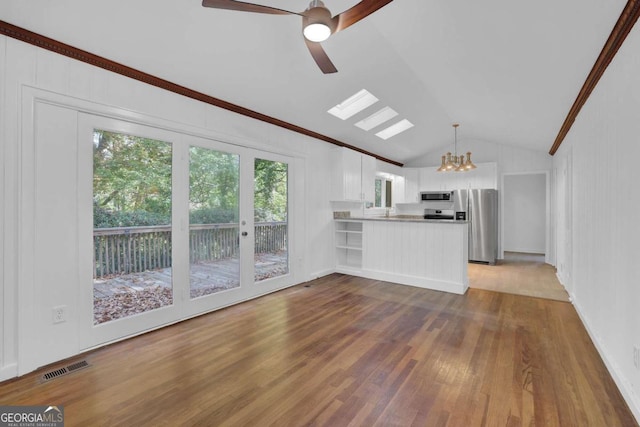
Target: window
pixel 383 193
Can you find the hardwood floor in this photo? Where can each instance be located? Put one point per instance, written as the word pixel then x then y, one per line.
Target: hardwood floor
pixel 344 351
pixel 521 274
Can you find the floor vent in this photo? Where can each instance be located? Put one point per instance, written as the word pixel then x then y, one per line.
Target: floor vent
pixel 64 371
pixel 78 365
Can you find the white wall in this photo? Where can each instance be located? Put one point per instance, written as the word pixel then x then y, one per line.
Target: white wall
pixel 600 153
pixel 509 158
pixel 524 215
pixel 29 158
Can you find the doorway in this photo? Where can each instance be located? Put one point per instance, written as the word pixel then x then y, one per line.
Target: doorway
pixel 182 225
pixel 525 213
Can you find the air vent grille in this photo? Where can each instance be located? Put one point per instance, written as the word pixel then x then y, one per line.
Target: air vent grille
pixel 64 371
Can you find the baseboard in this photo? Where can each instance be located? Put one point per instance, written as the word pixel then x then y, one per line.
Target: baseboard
pixel 420 282
pixel 526 251
pixel 632 400
pixel 321 273
pixel 8 371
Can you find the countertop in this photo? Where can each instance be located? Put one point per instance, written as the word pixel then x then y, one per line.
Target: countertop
pixel 401 218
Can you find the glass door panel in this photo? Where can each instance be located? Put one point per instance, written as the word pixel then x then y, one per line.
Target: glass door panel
pixel 132 271
pixel 168 232
pixel 271 201
pixel 214 245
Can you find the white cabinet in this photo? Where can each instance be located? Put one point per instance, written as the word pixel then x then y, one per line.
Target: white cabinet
pixel 351 172
pixel 411 179
pixel 368 175
pixel 348 238
pixel 397 190
pixel 484 176
pixel 354 176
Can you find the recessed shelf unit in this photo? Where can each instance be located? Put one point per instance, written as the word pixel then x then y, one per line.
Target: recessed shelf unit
pixel 348 238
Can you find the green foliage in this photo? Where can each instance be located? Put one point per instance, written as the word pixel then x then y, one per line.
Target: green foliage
pixel 214 185
pixel 132 184
pixel 104 218
pixel 270 199
pixel 213 216
pixel 131 176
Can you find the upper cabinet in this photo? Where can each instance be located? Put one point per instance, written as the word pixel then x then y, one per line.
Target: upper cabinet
pixel 484 176
pixel 411 184
pixel 354 179
pixel 368 176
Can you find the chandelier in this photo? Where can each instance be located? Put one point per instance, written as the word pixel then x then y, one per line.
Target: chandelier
pixel 453 162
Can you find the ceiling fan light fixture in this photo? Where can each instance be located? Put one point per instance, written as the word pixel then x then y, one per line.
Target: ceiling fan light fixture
pixel 317 24
pixel 317 32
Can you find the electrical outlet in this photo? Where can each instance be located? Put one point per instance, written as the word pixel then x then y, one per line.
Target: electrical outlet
pixel 60 314
pixel 636 356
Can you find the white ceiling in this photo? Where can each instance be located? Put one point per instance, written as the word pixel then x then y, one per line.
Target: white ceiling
pixel 507 70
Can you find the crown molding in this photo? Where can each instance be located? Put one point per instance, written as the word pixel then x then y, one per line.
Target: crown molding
pixel 69 51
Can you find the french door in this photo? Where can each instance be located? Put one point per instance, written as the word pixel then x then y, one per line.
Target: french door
pixel 175 225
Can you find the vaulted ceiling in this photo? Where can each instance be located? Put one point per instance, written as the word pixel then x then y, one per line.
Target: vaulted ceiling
pixel 507 71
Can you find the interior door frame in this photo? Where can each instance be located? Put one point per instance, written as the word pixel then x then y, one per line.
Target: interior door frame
pixel 547 239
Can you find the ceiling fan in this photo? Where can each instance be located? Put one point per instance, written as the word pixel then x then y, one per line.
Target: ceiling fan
pixel 317 22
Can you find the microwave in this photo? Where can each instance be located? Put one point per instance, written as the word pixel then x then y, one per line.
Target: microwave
pixel 436 196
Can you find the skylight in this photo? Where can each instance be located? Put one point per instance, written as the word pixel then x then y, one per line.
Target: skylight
pixel 395 129
pixel 353 105
pixel 377 118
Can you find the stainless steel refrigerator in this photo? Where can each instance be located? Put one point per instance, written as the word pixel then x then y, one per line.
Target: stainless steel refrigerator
pixel 481 206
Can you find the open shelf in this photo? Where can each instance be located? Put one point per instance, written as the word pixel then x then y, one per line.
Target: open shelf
pixel 348 243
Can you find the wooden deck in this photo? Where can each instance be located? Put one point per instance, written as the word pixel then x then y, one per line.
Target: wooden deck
pixel 127 294
pixel 222 274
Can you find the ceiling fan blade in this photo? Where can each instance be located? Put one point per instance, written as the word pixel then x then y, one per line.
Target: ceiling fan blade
pixel 320 56
pixel 245 7
pixel 358 12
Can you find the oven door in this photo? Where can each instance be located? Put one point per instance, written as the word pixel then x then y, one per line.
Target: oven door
pixel 439 214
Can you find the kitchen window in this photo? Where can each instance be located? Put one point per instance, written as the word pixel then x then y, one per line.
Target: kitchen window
pixel 383 193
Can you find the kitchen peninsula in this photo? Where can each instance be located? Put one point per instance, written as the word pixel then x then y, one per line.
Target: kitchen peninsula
pixel 409 250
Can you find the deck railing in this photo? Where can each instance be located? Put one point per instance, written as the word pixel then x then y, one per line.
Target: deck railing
pixel 123 250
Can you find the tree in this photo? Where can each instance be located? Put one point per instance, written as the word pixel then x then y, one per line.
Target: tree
pixel 131 176
pixel 132 183
pixel 214 186
pixel 270 199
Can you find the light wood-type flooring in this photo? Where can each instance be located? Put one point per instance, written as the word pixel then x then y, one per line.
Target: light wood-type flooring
pixel 518 273
pixel 347 351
